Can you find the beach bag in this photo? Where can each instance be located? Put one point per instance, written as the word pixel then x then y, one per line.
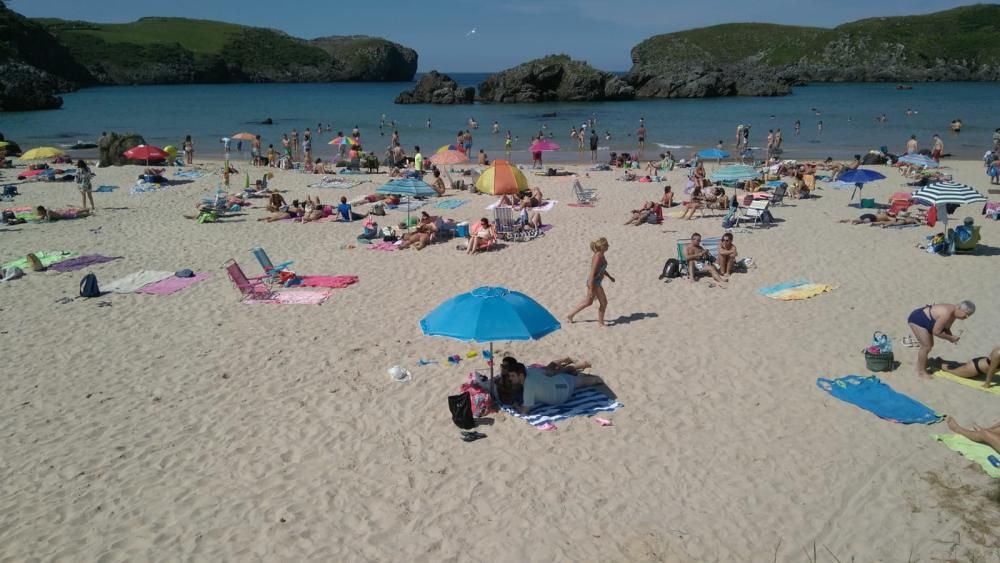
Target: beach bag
pixel 879 361
pixel 729 221
pixel 482 402
pixel 461 411
pixel 671 269
pixel 868 203
pixel 88 286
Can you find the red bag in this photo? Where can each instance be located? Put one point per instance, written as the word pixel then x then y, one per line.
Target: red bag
pixel 932 216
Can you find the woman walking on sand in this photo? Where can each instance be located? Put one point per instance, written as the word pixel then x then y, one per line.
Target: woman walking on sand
pixel 595 279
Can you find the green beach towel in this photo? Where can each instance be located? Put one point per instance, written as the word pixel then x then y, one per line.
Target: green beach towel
pixel 972 451
pixel 46 258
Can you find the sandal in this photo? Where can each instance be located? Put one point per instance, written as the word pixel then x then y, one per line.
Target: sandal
pixel 472 436
pixel 909 342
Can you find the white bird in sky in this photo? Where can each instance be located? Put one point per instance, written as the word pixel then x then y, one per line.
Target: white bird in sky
pixel 469 34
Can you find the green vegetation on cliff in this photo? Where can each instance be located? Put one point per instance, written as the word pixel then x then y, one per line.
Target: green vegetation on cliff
pixel 180 50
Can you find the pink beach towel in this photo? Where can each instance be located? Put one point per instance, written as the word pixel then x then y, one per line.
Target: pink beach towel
pixel 173 284
pixel 335 282
pixel 293 297
pixel 387 246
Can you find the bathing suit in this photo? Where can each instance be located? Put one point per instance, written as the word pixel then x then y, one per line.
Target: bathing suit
pixel 921 319
pixel 600 275
pixel 868 217
pixel 979 370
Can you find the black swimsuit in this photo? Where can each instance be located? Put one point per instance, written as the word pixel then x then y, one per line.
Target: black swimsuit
pixel 979 370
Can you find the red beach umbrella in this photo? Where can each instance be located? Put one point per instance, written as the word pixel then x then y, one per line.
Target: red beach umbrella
pixel 147 153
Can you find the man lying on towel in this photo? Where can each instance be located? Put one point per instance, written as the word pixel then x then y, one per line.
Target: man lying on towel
pixel 551 385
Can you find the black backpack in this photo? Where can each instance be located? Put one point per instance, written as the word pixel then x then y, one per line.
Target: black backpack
pixel 461 410
pixel 88 286
pixel 671 269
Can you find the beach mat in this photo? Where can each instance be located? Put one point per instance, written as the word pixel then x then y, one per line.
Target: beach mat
pixel 585 402
pixel 451 203
pixel 173 284
pixel 386 246
pixel 47 258
pixel 549 205
pixel 968 382
pixel 333 282
pixel 135 281
pixel 581 205
pixel 336 183
pixel 973 451
pixel 871 394
pixel 292 297
pixel 81 262
pixel 795 290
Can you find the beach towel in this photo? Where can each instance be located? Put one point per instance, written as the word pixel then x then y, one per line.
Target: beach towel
pixel 47 258
pixel 103 189
pixel 335 282
pixel 407 206
pixel 585 402
pixel 974 383
pixel 795 290
pixel 871 394
pixel 135 281
pixel 547 205
pixel 336 183
pixel 191 174
pixel 81 262
pixel 387 246
pixel 173 284
pixel 451 203
pixel 973 451
pixel 581 204
pixel 292 297
pixel 144 187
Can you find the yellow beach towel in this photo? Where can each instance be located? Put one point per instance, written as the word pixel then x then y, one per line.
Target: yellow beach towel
pixel 979 453
pixel 974 383
pixel 799 292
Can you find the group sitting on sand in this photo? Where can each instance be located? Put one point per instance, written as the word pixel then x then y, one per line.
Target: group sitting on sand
pixel 533 198
pixel 524 388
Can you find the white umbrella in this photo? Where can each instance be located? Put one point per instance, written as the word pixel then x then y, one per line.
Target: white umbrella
pixel 941 194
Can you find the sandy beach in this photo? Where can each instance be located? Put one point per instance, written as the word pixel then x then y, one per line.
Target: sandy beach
pixel 191 427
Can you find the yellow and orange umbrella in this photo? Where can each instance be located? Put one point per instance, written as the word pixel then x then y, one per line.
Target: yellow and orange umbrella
pixel 501 179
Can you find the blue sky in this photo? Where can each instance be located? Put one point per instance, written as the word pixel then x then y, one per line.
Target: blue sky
pixel 508 32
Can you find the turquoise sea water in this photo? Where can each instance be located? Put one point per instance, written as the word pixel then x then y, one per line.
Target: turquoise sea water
pixel 164 114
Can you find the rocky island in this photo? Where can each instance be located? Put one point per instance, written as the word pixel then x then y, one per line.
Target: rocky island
pixel 556 78
pixel 437 88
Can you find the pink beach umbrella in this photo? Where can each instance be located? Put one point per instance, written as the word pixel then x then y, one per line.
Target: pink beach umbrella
pixel 543 145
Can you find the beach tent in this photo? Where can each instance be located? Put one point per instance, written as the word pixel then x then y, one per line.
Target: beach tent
pixel 501 178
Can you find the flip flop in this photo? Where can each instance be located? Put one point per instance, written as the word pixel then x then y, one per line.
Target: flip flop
pixel 547 427
pixel 604 422
pixel 909 342
pixel 472 436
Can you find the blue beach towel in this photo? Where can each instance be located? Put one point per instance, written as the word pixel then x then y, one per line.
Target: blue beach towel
pixel 102 189
pixel 874 396
pixel 451 203
pixel 585 402
pixel 782 286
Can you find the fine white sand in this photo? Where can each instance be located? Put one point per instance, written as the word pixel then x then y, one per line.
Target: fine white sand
pixel 194 428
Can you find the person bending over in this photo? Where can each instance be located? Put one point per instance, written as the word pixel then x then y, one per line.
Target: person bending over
pixel 935 320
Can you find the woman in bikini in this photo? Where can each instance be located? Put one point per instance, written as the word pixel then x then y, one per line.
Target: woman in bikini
pixel 982 366
pixel 595 280
pixel 935 320
pixel 69 213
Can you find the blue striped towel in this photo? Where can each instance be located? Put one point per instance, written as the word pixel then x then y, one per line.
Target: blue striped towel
pixel 451 203
pixel 585 402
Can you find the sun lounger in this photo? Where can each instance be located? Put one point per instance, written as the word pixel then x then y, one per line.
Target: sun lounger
pixel 755 212
pixel 583 196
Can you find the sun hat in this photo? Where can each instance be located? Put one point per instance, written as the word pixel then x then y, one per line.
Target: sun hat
pixel 399 374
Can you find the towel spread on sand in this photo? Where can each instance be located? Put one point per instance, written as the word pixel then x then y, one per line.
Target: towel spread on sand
pixel 968 382
pixel 387 246
pixel 871 394
pixel 406 206
pixel 581 204
pixel 334 282
pixel 135 281
pixel 336 183
pixel 103 189
pixel 292 297
pixel 191 174
pixel 585 402
pixel 795 290
pixel 47 258
pixel 173 284
pixel 81 262
pixel 548 205
pixel 451 203
pixel 972 451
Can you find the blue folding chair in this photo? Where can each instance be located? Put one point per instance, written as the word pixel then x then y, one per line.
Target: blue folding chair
pixel 270 269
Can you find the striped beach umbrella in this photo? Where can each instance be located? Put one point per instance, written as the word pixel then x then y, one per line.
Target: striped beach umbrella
pixel 446 148
pixel 734 173
pixel 942 193
pixel 343 141
pixel 501 179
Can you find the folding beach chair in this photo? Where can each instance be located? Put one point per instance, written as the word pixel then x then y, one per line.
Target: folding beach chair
pixel 755 212
pixel 778 197
pixel 264 260
pixel 583 196
pixel 508 228
pixel 900 201
pixel 253 288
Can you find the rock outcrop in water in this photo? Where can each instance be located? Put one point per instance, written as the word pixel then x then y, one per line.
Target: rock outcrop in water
pixel 112 146
pixel 766 59
pixel 555 78
pixel 437 88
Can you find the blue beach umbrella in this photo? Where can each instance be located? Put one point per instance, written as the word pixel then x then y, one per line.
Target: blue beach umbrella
pixel 859 178
pixel 734 173
pixel 409 187
pixel 919 160
pixel 713 153
pixel 490 314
